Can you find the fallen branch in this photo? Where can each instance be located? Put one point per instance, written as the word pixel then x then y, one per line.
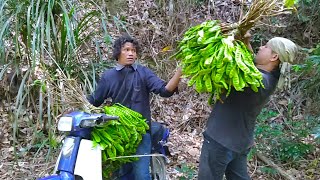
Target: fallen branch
pixel 276 167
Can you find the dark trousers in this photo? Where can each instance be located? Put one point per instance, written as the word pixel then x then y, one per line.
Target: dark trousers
pixel 138 170
pixel 217 160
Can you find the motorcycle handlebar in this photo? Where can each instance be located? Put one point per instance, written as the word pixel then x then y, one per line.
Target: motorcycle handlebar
pixel 97 119
pixel 105 118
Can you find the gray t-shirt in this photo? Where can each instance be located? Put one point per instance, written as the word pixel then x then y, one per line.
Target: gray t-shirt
pixel 232 122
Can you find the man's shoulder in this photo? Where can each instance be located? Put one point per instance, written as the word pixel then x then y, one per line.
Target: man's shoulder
pixel 109 72
pixel 144 69
pixel 269 79
pixel 141 67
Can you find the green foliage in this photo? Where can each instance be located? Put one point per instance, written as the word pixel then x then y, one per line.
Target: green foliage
pixel 251 153
pixel 266 114
pixel 48 32
pixel 38 83
pixel 268 170
pixel 313 60
pixel 316 131
pixel 298 26
pixel 289 3
pixel 309 73
pixel 307 10
pixel 312 172
pixel 285 140
pixel 39 141
pixel 257 39
pixel 188 172
pixel 292 151
pixel 42 36
pixel 304 31
pixel 317 134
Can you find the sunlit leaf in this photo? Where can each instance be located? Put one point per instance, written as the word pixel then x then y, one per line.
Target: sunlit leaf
pixel 167 48
pixel 288 3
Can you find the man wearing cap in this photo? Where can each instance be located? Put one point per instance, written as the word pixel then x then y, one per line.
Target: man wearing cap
pixel 229 134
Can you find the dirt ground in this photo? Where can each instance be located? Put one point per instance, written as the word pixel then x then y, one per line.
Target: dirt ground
pixel 183 114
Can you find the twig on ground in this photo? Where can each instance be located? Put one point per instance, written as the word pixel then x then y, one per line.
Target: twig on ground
pixel 255 167
pixel 272 164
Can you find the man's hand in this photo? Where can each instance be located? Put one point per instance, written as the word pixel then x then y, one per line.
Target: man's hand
pixel 224 27
pixel 246 40
pixel 174 81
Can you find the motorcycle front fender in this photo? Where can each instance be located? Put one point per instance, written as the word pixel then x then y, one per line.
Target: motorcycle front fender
pixel 88 164
pixel 61 176
pixel 53 177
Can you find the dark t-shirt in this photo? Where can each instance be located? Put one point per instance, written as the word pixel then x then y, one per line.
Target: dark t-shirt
pixel 232 122
pixel 129 86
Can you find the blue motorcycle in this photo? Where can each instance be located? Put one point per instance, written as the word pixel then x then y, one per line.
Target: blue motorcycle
pixel 79 160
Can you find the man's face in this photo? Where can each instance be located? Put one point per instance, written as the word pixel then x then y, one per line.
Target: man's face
pixel 128 54
pixel 264 55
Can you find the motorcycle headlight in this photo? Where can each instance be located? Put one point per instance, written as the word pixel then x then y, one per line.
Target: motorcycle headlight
pixel 65 124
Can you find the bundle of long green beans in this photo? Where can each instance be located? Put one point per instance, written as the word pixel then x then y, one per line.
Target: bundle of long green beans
pixel 214 61
pixel 119 138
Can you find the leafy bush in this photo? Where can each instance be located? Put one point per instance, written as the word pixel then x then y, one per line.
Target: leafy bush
pixel 39 37
pixel 292 151
pixel 286 141
pixel 269 170
pixel 188 172
pixel 309 79
pixel 308 14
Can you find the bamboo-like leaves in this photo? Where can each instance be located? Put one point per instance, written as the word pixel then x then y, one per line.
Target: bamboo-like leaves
pixel 46 35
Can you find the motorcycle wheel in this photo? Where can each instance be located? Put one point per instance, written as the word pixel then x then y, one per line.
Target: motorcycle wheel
pixel 158 168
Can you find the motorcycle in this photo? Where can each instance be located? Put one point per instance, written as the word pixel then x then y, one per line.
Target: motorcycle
pixel 79 160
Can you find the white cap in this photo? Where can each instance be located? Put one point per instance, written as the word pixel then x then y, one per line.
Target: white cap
pixel 285 48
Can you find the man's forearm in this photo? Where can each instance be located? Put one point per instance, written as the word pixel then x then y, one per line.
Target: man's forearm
pixel 174 81
pixel 249 46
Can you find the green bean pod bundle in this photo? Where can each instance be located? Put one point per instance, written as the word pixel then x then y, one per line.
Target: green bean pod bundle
pixel 119 137
pixel 216 63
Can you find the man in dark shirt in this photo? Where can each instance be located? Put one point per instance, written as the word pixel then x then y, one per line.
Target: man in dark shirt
pixel 130 85
pixel 230 127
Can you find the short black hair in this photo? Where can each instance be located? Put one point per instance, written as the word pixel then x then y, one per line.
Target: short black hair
pixel 118 44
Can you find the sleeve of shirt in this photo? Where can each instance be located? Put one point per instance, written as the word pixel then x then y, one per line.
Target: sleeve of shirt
pixel 156 85
pixel 269 86
pixel 100 94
